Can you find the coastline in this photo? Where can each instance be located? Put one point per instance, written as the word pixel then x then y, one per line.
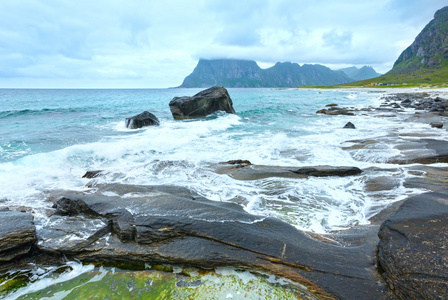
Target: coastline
pixel 360 243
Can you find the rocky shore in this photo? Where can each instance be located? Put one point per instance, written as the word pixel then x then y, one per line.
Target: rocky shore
pixel 402 253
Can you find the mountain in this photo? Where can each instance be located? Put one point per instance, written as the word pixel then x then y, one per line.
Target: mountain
pixel 225 72
pixel 246 73
pixel 430 48
pixel 356 74
pixel 425 60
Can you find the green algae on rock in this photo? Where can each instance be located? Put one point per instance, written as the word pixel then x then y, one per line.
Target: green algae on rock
pixel 181 283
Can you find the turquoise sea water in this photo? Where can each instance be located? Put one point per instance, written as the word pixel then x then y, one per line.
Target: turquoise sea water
pixel 50 138
pixel 35 121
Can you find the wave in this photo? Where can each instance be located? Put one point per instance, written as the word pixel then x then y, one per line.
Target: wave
pixel 42 111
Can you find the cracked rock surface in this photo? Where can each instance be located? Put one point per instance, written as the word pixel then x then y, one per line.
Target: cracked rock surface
pixel 413 248
pixel 17 234
pixel 171 225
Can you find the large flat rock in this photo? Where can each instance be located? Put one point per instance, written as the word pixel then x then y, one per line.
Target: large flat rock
pixel 423 151
pixel 410 151
pixel 413 248
pixel 162 224
pixel 255 172
pixel 17 234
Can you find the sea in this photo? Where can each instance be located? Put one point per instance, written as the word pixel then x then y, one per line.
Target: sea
pixel 49 138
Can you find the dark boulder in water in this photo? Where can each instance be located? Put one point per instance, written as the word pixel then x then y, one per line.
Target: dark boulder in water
pixel 202 104
pixel 17 234
pixel 350 125
pixel 413 248
pixel 144 119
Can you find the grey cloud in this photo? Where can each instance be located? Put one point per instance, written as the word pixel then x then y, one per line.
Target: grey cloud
pixel 234 36
pixel 337 40
pixel 159 42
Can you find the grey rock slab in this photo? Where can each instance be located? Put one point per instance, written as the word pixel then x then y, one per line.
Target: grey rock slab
pixel 158 225
pixel 255 172
pixel 413 248
pixel 17 234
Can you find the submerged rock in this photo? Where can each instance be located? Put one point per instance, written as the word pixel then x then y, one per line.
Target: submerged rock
pixel 144 119
pixel 436 124
pixel 413 251
pixel 202 104
pixel 419 150
pixel 17 234
pixel 431 151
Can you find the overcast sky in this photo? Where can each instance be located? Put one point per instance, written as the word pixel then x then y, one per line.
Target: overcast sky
pixel 149 44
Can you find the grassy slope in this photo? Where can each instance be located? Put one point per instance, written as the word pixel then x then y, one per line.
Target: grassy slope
pixel 418 77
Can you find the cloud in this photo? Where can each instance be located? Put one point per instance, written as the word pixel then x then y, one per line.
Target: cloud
pixel 158 43
pixel 338 41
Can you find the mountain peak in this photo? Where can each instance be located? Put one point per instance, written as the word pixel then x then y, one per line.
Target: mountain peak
pixel 365 72
pixel 246 73
pixel 430 48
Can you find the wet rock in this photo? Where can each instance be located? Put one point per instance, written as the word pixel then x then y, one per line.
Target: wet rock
pixel 255 172
pixel 436 124
pixel 238 162
pixel 350 125
pixel 418 101
pixel 92 174
pixel 413 251
pixel 427 178
pixel 333 111
pixel 184 283
pixel 410 151
pixel 406 101
pixel 423 151
pixel 331 105
pixel 164 224
pixel 144 119
pixel 202 104
pixel 381 183
pixel 324 171
pixel 17 234
pixel 64 234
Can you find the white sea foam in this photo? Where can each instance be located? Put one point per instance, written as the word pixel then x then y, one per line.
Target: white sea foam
pixel 43 279
pixel 180 153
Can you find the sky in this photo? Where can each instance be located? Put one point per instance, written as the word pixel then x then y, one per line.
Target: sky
pixel 156 44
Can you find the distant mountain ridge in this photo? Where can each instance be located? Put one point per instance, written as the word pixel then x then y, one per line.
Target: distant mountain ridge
pixel 365 72
pixel 246 73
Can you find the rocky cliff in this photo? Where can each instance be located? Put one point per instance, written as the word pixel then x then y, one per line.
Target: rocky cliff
pixel 246 73
pixel 430 48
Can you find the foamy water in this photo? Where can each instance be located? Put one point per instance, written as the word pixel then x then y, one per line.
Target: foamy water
pixel 50 147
